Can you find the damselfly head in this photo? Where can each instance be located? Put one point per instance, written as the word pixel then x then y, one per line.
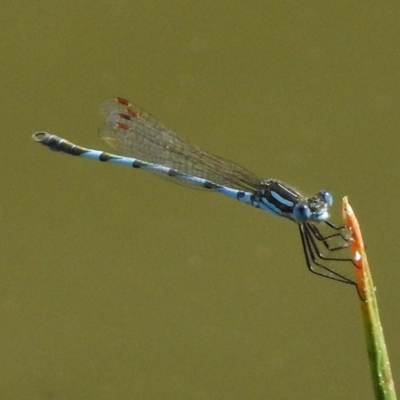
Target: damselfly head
pixel 315 208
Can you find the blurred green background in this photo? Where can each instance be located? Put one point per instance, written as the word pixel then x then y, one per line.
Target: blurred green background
pixel 116 284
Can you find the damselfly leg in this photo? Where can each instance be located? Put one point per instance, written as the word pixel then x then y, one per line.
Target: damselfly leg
pixel 312 240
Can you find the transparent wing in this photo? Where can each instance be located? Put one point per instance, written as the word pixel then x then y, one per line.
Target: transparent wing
pixel 133 132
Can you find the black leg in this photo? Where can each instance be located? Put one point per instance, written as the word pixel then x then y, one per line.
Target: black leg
pixel 310 236
pixel 338 233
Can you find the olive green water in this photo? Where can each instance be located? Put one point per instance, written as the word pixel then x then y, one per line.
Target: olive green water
pixel 115 284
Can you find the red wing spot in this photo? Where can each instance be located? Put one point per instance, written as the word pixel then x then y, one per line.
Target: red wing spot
pixel 125 116
pixel 122 126
pixel 122 101
pixel 132 113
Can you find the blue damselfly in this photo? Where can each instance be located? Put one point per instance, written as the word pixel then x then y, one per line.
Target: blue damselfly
pixel 143 142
